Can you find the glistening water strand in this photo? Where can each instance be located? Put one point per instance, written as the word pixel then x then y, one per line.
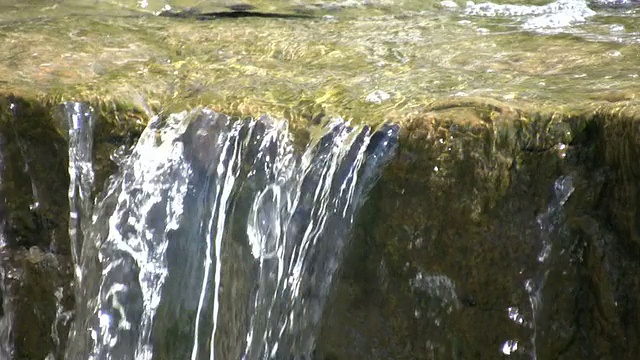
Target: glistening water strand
pixel 210 217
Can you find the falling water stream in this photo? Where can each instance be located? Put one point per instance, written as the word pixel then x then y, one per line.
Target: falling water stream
pixel 549 223
pixel 217 239
pixel 80 123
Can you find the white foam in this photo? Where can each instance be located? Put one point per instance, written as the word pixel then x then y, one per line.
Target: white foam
pixel 558 14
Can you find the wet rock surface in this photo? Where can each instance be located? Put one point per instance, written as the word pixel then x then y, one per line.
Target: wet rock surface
pixel 36 266
pixel 463 213
pixel 445 261
pixel 507 224
pixel 35 246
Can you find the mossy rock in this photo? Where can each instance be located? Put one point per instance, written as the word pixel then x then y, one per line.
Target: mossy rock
pixel 480 225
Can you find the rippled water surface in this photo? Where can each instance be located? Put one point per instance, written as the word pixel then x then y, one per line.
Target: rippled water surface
pixel 375 56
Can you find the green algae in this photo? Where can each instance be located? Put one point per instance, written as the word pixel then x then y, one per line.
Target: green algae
pixel 306 68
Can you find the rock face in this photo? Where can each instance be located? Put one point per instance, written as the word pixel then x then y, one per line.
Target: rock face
pixel 36 267
pixel 35 249
pixel 492 230
pixel 495 231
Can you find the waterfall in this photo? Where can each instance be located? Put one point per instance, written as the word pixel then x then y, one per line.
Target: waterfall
pixel 217 239
pixel 80 123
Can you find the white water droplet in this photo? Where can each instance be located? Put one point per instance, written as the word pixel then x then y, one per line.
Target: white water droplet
pixel 514 314
pixel 509 347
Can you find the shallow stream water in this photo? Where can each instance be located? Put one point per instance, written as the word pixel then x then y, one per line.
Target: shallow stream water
pixel 376 57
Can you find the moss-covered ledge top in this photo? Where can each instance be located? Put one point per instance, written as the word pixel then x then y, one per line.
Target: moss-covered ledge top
pixel 370 67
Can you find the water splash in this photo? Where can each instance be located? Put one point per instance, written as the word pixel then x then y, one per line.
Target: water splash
pixel 563 188
pixel 217 234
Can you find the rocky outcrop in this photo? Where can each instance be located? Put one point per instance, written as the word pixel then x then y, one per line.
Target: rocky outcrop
pixel 449 260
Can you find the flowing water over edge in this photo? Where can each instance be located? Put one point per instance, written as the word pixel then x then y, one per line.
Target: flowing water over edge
pixel 216 239
pixel 80 122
